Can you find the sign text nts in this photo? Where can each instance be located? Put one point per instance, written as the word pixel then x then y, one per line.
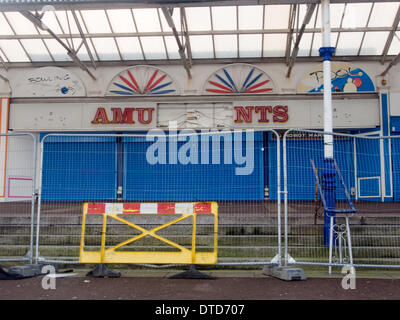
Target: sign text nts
pixel 264 114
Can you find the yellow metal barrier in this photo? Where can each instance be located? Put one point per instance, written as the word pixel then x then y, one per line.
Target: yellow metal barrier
pixel 183 256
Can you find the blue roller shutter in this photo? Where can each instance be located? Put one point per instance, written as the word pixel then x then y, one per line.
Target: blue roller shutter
pixel 396 168
pixel 368 169
pixel 300 175
pixel 190 182
pixel 79 168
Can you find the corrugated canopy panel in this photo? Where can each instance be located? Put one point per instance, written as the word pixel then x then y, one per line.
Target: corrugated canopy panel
pixel 206 32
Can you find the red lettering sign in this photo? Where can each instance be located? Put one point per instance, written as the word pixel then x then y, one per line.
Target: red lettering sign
pixel 100 117
pixel 141 112
pixel 263 112
pixel 124 116
pixel 280 114
pixel 245 113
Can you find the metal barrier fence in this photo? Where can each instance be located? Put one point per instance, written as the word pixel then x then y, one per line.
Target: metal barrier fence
pixel 366 179
pixel 187 166
pixel 17 195
pixel 240 170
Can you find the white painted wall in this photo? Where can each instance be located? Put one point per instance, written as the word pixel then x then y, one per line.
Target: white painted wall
pixel 52 116
pixel 394 102
pixel 64 115
pixel 71 116
pixel 20 168
pixel 357 113
pixel 200 73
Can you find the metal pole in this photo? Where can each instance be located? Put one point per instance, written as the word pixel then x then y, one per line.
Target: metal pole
pixel 39 199
pixel 285 193
pixel 278 162
pixel 326 52
pixel 330 245
pixel 33 196
pixel 349 241
pixel 194 239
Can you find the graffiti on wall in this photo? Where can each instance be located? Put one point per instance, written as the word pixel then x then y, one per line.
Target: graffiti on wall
pixel 49 82
pixel 344 78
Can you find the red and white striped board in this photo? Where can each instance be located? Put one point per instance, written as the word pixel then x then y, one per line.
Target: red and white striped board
pixel 150 208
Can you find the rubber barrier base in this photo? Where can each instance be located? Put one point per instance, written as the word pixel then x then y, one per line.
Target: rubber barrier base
pixel 102 271
pixel 284 273
pixel 192 273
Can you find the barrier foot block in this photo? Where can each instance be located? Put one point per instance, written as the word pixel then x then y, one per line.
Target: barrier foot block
pixel 102 271
pixel 192 273
pixel 284 273
pixel 4 275
pixel 25 271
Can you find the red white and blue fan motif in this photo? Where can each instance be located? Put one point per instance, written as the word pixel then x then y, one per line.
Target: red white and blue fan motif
pixel 142 80
pixel 239 79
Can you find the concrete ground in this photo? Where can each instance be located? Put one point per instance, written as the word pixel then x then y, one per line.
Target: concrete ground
pixel 234 294
pixel 154 284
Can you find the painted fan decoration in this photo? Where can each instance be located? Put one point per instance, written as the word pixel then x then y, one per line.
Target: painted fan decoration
pixel 142 80
pixel 239 79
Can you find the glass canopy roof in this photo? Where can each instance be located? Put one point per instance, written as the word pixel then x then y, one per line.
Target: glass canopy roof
pixel 369 29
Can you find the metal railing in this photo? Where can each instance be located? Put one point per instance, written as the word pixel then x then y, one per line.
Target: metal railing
pixel 108 167
pixel 79 168
pixel 18 152
pixel 366 165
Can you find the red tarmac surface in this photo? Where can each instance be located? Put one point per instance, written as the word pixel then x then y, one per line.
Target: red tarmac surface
pixel 152 297
pixel 222 288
